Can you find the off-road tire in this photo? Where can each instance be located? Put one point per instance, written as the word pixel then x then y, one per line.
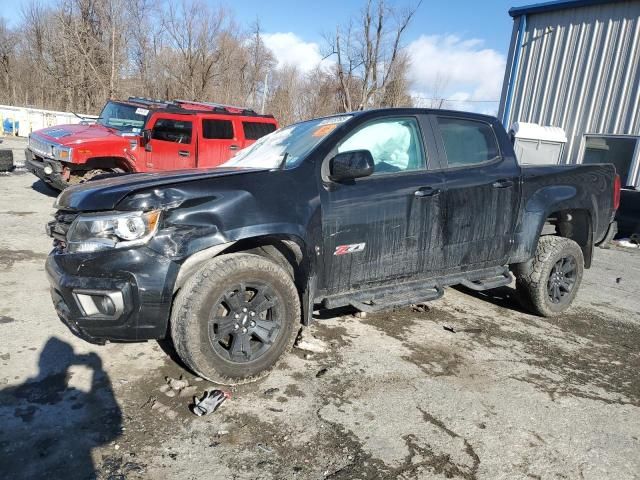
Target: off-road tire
pixel 193 306
pixel 6 161
pixel 532 276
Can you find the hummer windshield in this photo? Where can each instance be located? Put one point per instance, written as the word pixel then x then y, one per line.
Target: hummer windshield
pixel 287 146
pixel 123 117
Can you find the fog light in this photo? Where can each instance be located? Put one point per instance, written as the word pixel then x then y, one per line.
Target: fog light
pixel 100 303
pixel 106 306
pixel 48 170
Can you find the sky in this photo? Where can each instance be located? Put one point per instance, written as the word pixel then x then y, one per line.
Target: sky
pixel 457 48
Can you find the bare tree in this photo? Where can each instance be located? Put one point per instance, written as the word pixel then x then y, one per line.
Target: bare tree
pixel 7 58
pixel 193 33
pixel 368 51
pixel 75 54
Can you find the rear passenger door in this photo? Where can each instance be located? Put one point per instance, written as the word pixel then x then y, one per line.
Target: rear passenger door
pixel 254 130
pixel 482 192
pixel 172 143
pixel 219 141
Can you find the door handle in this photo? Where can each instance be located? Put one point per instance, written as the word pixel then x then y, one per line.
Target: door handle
pixel 233 147
pixel 502 183
pixel 183 153
pixel 426 192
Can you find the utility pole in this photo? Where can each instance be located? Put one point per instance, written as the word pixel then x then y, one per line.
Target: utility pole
pixel 264 91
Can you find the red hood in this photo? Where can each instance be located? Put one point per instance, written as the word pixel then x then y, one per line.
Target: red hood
pixel 72 134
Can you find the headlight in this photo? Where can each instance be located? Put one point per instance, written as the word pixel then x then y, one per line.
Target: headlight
pixel 103 231
pixel 62 153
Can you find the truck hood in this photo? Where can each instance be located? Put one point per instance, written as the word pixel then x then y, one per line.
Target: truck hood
pixel 70 134
pixel 106 194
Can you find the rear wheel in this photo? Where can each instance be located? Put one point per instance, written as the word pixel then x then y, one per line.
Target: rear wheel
pixel 235 318
pixel 549 282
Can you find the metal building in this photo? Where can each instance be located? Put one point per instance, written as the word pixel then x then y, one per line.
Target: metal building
pixel 576 65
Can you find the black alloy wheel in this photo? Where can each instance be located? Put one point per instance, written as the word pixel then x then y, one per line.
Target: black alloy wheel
pixel 245 322
pixel 235 317
pixel 562 279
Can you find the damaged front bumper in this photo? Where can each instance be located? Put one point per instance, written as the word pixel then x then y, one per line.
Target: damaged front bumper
pixel 98 306
pixel 46 169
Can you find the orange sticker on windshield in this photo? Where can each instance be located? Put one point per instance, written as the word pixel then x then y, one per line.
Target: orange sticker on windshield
pixel 324 130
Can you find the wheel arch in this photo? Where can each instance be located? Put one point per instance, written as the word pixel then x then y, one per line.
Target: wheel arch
pixel 560 210
pixel 288 251
pixel 110 162
pixel 577 225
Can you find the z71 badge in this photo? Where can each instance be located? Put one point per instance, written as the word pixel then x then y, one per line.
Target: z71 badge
pixel 353 248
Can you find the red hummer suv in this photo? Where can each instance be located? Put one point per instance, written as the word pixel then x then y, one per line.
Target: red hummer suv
pixel 144 135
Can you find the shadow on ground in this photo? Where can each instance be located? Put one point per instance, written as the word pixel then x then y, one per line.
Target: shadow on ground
pixel 41 187
pixel 505 297
pixel 49 428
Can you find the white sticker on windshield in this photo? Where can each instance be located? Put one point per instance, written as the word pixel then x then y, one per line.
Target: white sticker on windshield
pixel 334 120
pixel 141 111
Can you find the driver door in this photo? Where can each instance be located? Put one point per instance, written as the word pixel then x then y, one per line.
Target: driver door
pixel 172 144
pixel 377 228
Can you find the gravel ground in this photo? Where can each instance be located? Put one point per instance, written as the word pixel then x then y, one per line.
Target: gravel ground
pixel 396 395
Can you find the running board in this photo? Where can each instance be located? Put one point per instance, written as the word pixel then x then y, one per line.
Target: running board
pixel 389 302
pixel 488 283
pixel 387 296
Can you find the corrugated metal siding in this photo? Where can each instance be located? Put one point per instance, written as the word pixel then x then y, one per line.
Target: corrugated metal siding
pixel 579 70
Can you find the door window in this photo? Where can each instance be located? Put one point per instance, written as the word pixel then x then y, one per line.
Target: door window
pixel 395 145
pixel 217 129
pixel 256 130
pixel 617 150
pixel 170 130
pixel 467 142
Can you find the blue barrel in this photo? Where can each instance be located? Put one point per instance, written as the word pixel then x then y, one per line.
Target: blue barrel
pixel 8 126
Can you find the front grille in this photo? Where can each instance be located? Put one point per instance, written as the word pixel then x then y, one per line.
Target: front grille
pixel 41 146
pixel 58 228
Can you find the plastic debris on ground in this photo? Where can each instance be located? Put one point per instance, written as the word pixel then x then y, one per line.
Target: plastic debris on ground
pixel 177 384
pixel 631 242
pixel 210 402
pixel 309 343
pixel 419 307
pixel 452 329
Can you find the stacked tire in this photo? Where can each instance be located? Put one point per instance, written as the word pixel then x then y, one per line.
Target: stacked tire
pixel 6 161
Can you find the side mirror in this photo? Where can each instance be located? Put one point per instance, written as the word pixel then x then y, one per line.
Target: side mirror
pixel 351 165
pixel 145 138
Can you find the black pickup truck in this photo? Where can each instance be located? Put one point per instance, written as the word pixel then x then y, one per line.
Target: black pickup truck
pixel 375 209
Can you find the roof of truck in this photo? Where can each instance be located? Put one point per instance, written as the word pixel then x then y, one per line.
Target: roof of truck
pixel 191 107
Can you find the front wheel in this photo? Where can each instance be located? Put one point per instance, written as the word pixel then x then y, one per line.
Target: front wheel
pixel 549 282
pixel 235 318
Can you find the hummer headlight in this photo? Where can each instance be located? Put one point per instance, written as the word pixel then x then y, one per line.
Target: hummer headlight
pixel 62 153
pixel 103 231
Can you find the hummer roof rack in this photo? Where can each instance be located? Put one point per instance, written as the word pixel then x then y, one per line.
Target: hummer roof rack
pixel 187 106
pixel 151 101
pixel 222 106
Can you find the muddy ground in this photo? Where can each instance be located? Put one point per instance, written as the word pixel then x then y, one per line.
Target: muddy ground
pixel 508 395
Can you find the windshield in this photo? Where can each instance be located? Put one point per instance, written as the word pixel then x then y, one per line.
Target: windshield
pixel 125 118
pixel 290 143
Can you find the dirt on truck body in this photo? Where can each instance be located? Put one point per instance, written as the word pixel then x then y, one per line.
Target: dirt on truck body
pixel 371 210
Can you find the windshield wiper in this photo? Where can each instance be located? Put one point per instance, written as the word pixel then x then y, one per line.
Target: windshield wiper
pixel 283 162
